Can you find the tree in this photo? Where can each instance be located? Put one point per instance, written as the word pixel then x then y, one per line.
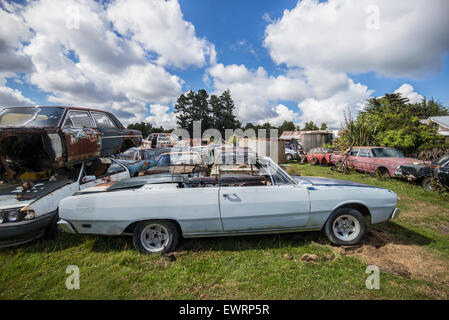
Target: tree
pixel 286 126
pixel 147 128
pixel 323 126
pixel 392 121
pixel 310 126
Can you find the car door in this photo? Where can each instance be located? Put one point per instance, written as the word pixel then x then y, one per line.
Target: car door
pixel 352 158
pixel 282 205
pixel 82 141
pixel 112 135
pixel 363 160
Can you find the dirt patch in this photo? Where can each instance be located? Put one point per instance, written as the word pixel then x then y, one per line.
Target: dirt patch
pixel 410 261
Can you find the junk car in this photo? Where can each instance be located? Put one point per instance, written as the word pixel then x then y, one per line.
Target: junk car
pixel 29 210
pixel 158 210
pixel 36 139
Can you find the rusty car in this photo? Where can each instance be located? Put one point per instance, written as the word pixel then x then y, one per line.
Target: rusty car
pixel 433 176
pixel 137 160
pixel 158 210
pixel 381 161
pixel 29 210
pixel 40 138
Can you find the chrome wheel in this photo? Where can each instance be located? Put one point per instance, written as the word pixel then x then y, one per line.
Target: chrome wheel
pixel 154 237
pixel 346 228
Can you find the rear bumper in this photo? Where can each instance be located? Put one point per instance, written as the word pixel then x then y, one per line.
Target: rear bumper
pixel 17 233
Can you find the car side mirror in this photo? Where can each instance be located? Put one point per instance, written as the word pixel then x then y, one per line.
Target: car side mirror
pixel 88 179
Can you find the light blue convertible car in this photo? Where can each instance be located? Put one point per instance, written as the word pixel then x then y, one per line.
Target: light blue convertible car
pixel 159 209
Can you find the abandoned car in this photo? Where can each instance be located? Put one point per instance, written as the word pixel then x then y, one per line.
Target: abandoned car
pixel 158 210
pixel 432 176
pixel 188 163
pixel 319 156
pixel 137 160
pixel 381 161
pixel 29 210
pixel 35 139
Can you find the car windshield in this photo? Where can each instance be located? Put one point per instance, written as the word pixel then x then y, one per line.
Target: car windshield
pixel 443 160
pixel 387 153
pixel 129 154
pixel 31 117
pixel 178 158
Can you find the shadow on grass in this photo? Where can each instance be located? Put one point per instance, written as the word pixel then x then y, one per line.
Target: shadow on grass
pixel 378 235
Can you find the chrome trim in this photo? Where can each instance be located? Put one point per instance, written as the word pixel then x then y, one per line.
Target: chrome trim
pixel 396 213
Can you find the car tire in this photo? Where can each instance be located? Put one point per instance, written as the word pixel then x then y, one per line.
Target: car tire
pixel 382 174
pixel 52 229
pixel 324 162
pixel 429 184
pixel 346 226
pixel 146 232
pixel 314 161
pixel 288 157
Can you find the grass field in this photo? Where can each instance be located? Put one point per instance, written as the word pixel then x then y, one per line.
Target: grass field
pixel 411 252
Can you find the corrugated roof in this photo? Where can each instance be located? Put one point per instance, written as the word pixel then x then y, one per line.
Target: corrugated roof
pixel 442 121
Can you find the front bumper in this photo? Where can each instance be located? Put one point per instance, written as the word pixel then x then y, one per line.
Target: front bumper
pixel 17 233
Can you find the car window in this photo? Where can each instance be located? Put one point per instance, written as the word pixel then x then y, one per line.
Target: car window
pixel 443 161
pixel 387 153
pixel 278 177
pixel 114 168
pixel 78 119
pixel 102 120
pixel 364 153
pixel 353 152
pixel 31 117
pixel 130 154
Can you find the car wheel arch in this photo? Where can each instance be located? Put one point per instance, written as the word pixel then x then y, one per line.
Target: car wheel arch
pixel 130 228
pixel 362 208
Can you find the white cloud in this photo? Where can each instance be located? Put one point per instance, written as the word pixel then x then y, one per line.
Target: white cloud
pixel 333 109
pixel 159 27
pixel 322 95
pixel 13 97
pixel 409 38
pixel 161 116
pixel 12 32
pixel 407 91
pixel 282 113
pixel 71 50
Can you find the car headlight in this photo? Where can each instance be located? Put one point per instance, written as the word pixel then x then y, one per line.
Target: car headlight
pixel 398 170
pixel 15 215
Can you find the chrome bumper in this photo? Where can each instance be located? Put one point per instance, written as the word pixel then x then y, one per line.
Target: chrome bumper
pixel 395 213
pixel 66 226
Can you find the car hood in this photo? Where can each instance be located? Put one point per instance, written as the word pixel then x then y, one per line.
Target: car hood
pixel 9 192
pixel 319 181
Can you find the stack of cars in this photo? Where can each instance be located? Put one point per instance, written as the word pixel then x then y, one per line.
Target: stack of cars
pixel 49 153
pixel 319 156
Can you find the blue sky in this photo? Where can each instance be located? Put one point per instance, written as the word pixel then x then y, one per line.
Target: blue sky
pixel 282 60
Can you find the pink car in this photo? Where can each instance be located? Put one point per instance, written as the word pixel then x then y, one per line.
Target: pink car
pixel 383 161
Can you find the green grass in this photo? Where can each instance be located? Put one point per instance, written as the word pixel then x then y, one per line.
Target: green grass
pixel 256 267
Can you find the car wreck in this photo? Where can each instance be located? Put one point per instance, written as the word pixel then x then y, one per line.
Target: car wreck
pixel 29 210
pixel 432 176
pixel 158 210
pixel 37 140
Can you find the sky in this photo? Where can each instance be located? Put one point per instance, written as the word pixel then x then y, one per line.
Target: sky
pixel 282 60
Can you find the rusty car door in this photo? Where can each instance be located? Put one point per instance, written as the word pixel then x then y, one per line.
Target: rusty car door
pixel 83 142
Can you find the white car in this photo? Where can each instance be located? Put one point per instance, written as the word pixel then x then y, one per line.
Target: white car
pixel 29 211
pixel 159 209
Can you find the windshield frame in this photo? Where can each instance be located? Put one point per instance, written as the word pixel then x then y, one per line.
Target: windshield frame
pixel 54 124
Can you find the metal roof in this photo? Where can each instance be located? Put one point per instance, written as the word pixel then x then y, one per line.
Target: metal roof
pixel 442 121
